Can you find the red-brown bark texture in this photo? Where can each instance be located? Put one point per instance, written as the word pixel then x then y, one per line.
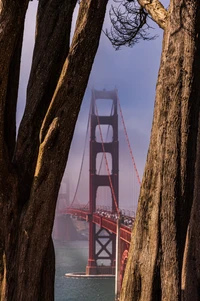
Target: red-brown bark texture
pixel 164 258
pixel 32 165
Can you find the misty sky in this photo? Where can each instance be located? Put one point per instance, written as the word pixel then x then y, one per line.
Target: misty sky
pixel 133 71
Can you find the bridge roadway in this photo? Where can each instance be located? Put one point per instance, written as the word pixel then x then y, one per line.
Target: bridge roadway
pixel 103 220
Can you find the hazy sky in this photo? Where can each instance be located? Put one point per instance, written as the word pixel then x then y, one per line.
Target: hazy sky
pixel 132 70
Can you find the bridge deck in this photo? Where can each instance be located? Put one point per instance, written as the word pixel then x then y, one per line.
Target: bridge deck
pixel 104 222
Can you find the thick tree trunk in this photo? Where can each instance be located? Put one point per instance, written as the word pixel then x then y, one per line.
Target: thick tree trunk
pixel 164 260
pixel 12 16
pixel 51 49
pixel 32 182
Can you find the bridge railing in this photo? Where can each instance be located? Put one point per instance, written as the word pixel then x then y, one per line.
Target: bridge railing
pixel 125 212
pixel 127 216
pixel 80 207
pixel 126 220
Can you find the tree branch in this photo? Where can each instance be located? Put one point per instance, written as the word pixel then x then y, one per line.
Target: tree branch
pixel 50 52
pixel 156 10
pixel 129 24
pixel 78 63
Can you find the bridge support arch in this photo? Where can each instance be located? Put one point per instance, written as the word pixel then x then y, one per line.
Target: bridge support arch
pixel 102 242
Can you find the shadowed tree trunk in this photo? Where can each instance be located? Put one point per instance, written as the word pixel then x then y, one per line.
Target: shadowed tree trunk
pixel 30 177
pixel 164 258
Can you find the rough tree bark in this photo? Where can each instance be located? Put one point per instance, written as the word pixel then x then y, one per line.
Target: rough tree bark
pixel 164 258
pixel 32 169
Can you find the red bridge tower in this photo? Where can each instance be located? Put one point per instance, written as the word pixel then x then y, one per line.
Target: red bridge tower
pixel 96 180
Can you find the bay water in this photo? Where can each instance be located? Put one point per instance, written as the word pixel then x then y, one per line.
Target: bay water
pixel 72 257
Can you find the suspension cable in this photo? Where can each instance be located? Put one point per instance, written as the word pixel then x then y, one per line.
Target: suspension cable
pixel 128 141
pixel 83 156
pixel 106 161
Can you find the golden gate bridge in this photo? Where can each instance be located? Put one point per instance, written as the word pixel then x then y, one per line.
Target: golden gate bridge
pixel 109 223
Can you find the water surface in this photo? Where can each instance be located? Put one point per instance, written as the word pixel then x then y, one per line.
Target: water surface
pixel 72 257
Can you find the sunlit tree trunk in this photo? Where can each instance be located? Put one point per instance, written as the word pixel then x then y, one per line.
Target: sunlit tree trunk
pixel 164 258
pixel 30 177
